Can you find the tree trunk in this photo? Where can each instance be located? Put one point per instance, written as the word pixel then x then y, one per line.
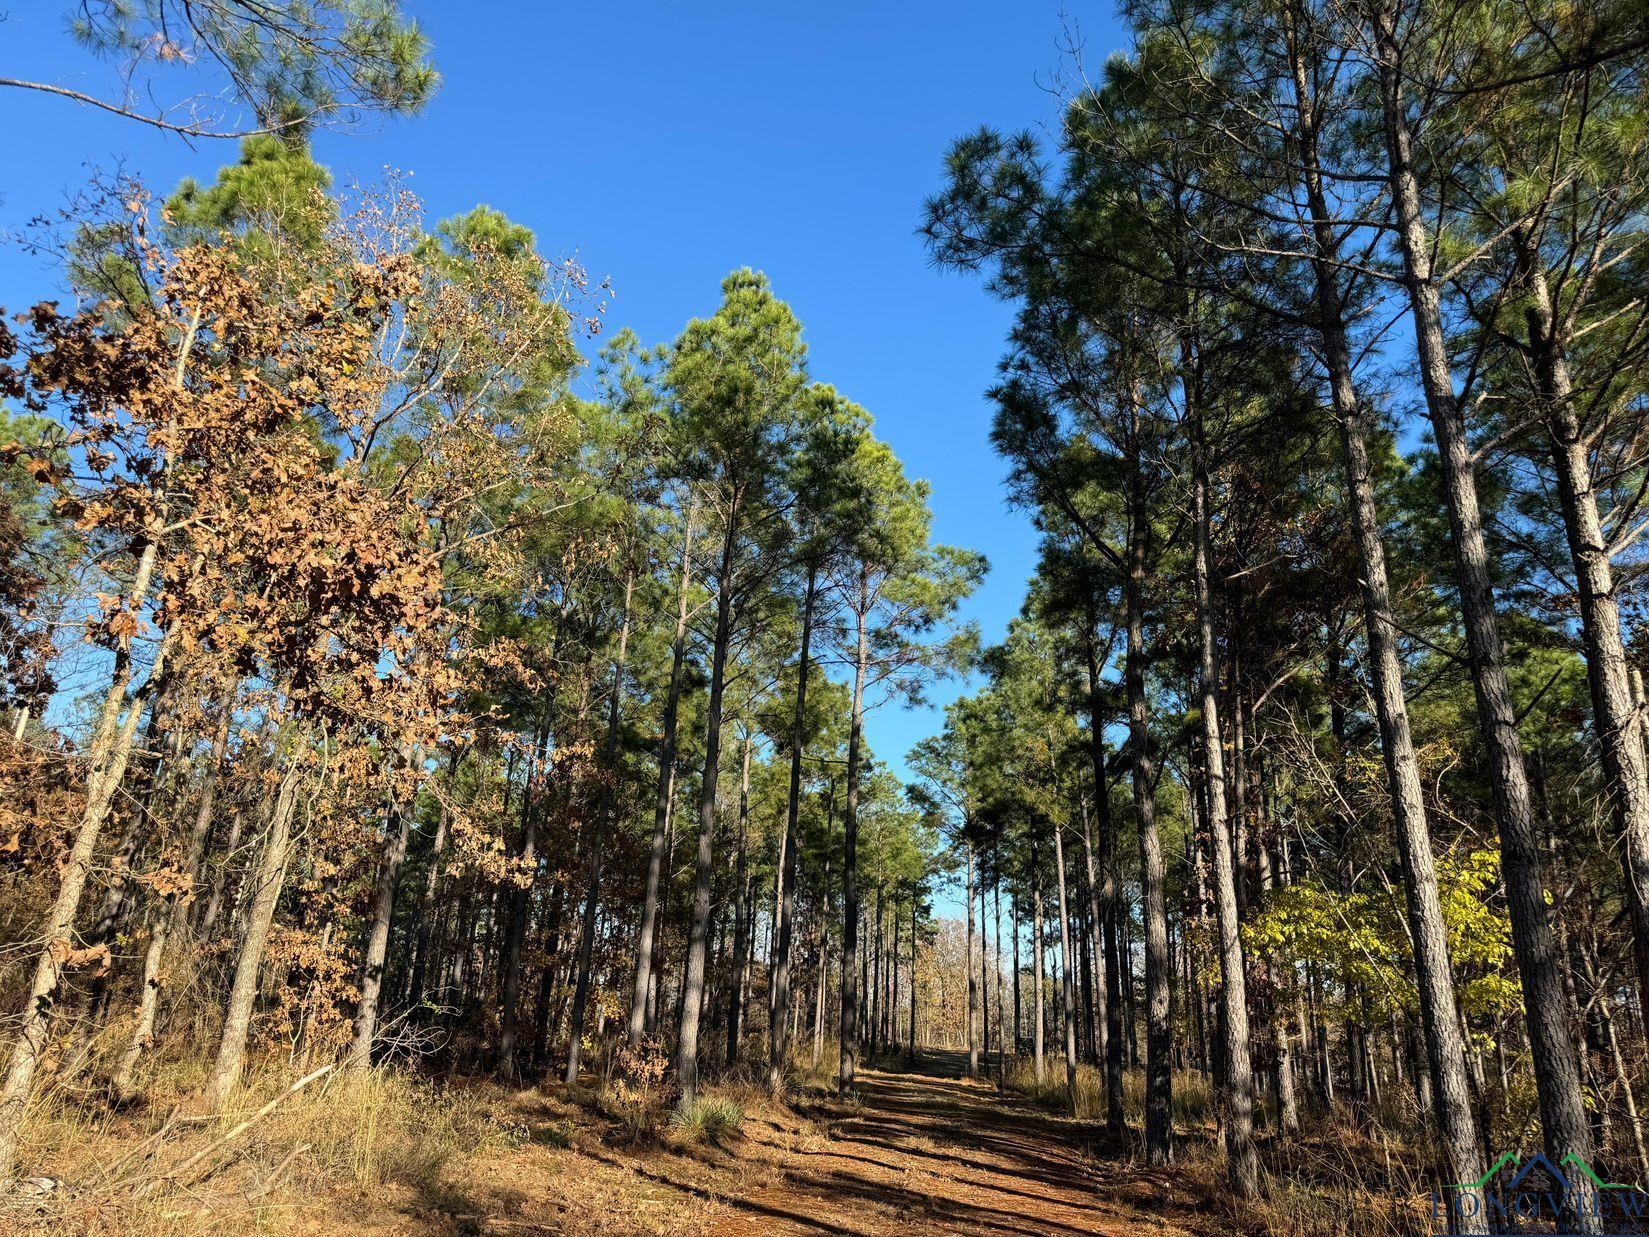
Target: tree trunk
pixel 520 915
pixel 266 895
pixel 609 820
pixel 220 878
pixel 849 1055
pixel 426 903
pixel 1626 775
pixel 784 910
pixel 1159 1076
pixel 741 934
pixel 984 977
pixel 1067 995
pixel 1236 1067
pixel 1105 899
pixel 644 982
pixel 170 917
pixel 915 908
pixel 110 750
pixel 1445 1051
pixel 1556 1068
pixel 692 1002
pixel 1039 1026
pixel 377 944
pixel 996 899
pixel 967 957
pixel 823 975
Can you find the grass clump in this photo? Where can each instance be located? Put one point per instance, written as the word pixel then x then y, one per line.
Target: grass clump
pixel 714 1119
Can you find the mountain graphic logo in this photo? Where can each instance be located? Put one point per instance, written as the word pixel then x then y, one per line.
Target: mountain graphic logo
pixel 1560 1180
pixel 1534 1195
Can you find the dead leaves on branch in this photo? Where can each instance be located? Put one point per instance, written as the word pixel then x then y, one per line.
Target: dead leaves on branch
pixel 211 420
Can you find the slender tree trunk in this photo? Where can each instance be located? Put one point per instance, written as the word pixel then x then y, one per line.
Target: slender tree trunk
pixel 1236 1068
pixel 967 957
pixel 784 910
pixel 121 1083
pixel 823 975
pixel 915 908
pixel 609 820
pixel 1556 1068
pixel 1100 889
pixel 1039 1026
pixel 984 977
pixel 849 1055
pixel 741 935
pixel 520 915
pixel 1067 995
pixel 643 983
pixel 1015 1037
pixel 266 895
pixel 220 878
pixel 692 1003
pixel 996 899
pixel 1462 1152
pixel 170 917
pixel 1159 1076
pixel 1103 885
pixel 873 992
pixel 424 943
pixel 377 944
pixel 110 750
pixel 895 956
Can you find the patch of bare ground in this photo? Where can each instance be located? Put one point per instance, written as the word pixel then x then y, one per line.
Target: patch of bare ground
pixel 927 1151
pixel 924 1150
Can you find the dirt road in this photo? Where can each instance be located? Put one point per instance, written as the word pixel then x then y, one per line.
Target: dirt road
pixel 924 1151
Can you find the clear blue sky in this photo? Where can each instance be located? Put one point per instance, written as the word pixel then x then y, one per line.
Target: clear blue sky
pixel 666 143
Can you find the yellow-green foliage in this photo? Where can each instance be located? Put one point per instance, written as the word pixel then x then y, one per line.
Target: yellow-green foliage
pixel 1359 940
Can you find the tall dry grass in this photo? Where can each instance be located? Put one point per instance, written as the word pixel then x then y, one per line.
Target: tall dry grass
pixel 1336 1179
pixel 113 1172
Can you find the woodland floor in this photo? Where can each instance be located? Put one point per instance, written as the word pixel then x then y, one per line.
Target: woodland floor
pixel 924 1151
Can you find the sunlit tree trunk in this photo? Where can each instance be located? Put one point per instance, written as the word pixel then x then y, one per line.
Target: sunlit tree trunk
pixel 850 1022
pixel 645 942
pixel 967 957
pixel 741 934
pixel 1237 1073
pixel 698 940
pixel 609 826
pixel 1462 1152
pixel 1068 1001
pixel 377 944
pixel 784 907
pixel 1556 1068
pixel 108 755
pixel 1039 1026
pixel 267 883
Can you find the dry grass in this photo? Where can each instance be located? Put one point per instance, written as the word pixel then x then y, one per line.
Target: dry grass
pixel 1193 1100
pixel 352 1135
pixel 386 1153
pixel 1338 1180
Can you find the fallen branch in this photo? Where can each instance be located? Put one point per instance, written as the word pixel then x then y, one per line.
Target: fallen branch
pixel 268 1182
pixel 240 1129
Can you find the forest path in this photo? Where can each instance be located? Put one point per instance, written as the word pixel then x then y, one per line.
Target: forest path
pixel 932 1151
pixel 926 1150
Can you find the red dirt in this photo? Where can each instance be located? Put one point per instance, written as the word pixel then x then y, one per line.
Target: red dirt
pixel 927 1151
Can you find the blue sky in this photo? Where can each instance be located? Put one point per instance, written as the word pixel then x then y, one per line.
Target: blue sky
pixel 666 143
